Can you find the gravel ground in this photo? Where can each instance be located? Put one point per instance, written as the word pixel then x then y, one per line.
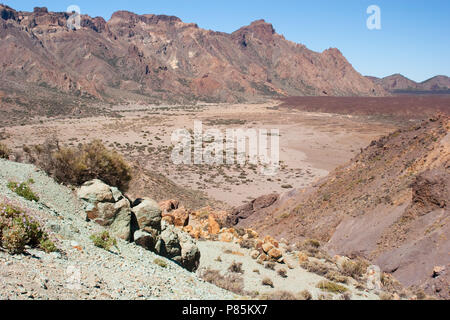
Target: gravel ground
pixel 297 279
pixel 81 270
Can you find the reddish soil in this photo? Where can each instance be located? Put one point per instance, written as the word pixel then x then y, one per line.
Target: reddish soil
pixel 405 106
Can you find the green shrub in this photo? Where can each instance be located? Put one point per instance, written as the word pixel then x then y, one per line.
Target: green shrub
pixel 104 240
pixel 160 262
pixel 76 165
pixel 14 238
pixel 331 287
pixel 23 190
pixel 18 230
pixel 47 245
pixel 4 151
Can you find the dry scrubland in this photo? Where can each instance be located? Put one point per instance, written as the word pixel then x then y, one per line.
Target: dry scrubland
pixel 129 147
pixel 311 145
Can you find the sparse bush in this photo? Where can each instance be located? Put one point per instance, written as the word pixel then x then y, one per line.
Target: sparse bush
pixel 231 282
pixel 316 267
pixel 4 151
pixel 218 259
pixel 76 165
pixel 160 262
pixel 270 265
pixel 278 296
pixel 247 244
pixel 47 245
pixel 282 273
pixel 23 190
pixel 354 269
pixel 256 271
pixel 331 287
pixel 18 229
pixel 14 238
pixel 336 277
pixel 267 282
pixel 236 267
pixel 104 240
pixel 304 295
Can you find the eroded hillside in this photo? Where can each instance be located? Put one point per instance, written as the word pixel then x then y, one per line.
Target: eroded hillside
pixel 389 204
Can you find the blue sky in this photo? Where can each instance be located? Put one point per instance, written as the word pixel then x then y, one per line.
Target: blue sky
pixel 414 39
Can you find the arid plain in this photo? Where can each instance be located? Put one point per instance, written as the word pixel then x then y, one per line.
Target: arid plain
pixel 311 144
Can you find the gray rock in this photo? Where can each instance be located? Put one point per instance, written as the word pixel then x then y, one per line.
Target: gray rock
pixel 121 226
pixel 171 243
pixel 107 207
pixel 145 240
pixel 148 214
pixel 95 191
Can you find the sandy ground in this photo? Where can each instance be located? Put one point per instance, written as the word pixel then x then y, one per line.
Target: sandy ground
pixel 311 144
pixel 296 281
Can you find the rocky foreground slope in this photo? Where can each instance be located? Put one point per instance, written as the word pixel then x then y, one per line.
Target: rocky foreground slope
pixel 109 247
pixel 390 204
pixel 155 57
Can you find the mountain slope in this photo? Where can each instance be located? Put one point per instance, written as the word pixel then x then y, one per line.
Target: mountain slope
pixel 157 57
pixel 389 204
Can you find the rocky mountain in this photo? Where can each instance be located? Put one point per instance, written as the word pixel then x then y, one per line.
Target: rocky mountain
pixel 160 58
pixel 389 205
pixel 398 83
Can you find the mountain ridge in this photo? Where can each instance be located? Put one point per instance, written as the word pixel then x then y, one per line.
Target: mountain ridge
pixel 154 58
pixel 398 83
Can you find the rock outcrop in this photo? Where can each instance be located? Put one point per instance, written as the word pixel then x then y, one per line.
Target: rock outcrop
pixel 141 222
pixel 107 207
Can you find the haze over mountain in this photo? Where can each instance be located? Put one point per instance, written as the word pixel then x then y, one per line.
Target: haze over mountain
pixel 160 58
pixel 398 83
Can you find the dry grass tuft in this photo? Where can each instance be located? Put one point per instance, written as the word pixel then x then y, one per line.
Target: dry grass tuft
pixel 231 282
pixel 4 151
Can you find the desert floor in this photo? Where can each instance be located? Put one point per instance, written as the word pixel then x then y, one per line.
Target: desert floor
pixel 311 144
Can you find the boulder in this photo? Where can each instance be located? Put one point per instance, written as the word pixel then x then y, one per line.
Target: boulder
pixel 169 205
pixel 121 226
pixel 170 242
pixel 179 217
pixel 263 258
pixel 190 254
pixel 267 247
pixel 107 207
pixel 226 237
pixel 254 254
pixel 145 239
pixel 148 214
pixel 275 254
pixel 213 225
pixel 95 191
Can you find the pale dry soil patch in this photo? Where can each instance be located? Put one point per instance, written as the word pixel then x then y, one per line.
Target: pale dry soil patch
pixel 311 144
pixel 220 255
